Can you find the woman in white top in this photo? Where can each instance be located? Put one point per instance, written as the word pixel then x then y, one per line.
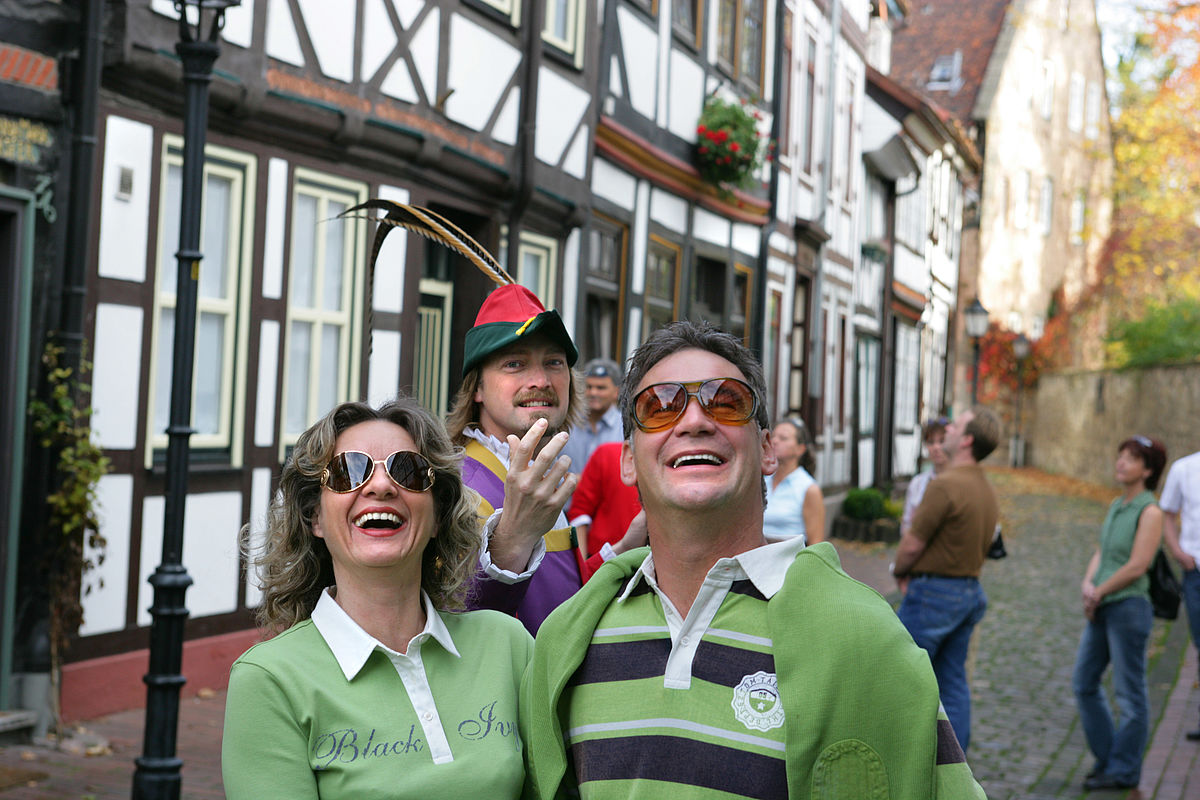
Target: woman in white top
pixel 933 434
pixel 795 505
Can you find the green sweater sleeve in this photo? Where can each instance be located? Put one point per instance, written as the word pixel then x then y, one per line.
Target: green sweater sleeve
pixel 264 751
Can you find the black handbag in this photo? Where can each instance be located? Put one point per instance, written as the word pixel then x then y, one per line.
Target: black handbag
pixel 997 548
pixel 1165 590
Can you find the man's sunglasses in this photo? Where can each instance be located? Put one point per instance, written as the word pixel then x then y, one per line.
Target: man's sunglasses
pixel 350 470
pixel 728 401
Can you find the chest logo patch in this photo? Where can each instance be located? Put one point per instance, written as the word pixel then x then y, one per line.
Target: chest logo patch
pixel 756 702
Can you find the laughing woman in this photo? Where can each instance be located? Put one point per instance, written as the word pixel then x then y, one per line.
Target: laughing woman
pixel 371 687
pixel 1116 603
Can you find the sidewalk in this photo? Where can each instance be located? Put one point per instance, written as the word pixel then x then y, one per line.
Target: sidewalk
pixel 1026 743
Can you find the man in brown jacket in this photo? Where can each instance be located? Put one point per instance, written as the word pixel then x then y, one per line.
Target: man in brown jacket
pixel 939 559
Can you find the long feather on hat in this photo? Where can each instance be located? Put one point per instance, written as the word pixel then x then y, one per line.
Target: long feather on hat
pixel 432 226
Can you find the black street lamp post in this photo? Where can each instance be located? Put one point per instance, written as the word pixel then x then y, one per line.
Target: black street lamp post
pixel 157 776
pixel 1021 349
pixel 976 323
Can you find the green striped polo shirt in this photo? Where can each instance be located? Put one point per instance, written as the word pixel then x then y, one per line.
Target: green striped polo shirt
pixel 664 707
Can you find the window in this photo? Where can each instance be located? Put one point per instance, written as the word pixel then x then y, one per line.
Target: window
pixel 946 74
pixel 662 282
pixel 1047 89
pixel 604 277
pixel 325 279
pixel 537 268
pixel 850 152
pixel 563 27
pixel 706 302
pixel 786 110
pixel 911 211
pixel 1021 192
pixel 685 19
pixel 740 39
pixel 739 313
pixel 799 347
pixel 809 79
pixel 1075 104
pixel 1078 215
pixel 771 346
pixel 908 367
pixel 1092 131
pixel 1046 206
pixel 868 379
pixel 222 294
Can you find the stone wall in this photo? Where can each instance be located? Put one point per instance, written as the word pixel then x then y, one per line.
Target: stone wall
pixel 1080 417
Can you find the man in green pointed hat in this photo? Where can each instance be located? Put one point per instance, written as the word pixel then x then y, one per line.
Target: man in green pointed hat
pixel 518 397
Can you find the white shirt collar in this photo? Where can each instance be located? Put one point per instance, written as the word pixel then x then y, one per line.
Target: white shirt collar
pixel 764 566
pixel 490 442
pixel 352 646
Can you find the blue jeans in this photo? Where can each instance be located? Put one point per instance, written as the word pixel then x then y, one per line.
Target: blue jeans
pixel 1118 633
pixel 941 613
pixel 1191 601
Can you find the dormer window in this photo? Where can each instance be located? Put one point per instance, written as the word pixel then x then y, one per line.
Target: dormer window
pixel 946 74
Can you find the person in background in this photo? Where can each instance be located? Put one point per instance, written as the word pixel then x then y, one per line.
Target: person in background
pixel 603 505
pixel 1116 603
pixel 716 663
pixel 511 415
pixel 1181 530
pixel 938 560
pixel 370 685
pixel 932 435
pixel 795 505
pixel 602 384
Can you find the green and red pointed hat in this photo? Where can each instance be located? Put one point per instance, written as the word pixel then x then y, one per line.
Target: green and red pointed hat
pixel 508 315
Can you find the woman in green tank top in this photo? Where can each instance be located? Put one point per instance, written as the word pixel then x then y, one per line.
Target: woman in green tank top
pixel 1117 607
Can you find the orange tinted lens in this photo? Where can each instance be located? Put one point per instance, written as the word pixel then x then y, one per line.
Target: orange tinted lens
pixel 348 471
pixel 659 405
pixel 727 400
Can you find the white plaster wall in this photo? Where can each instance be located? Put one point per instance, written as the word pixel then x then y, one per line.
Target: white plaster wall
pixel 575 162
pixel 239 20
pixel 481 65
pixel 709 227
pixel 560 109
pixel 424 49
pixel 116 375
pixel 384 378
pixel 911 270
pixel 613 184
pixel 638 239
pixel 260 498
pixel 505 129
pixel 331 28
pixel 668 210
pixel 379 37
pixel 276 218
pixel 210 555
pixel 640 46
pixel 282 41
pixel 747 239
pixel 265 413
pixel 104 605
pixel 124 222
pixel 686 95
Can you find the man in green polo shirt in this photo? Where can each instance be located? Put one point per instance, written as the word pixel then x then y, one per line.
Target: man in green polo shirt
pixel 716 663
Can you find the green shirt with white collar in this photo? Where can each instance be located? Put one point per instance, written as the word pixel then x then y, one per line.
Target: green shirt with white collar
pixel 324 710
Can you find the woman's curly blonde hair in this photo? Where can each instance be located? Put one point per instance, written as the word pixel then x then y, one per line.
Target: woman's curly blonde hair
pixel 294 566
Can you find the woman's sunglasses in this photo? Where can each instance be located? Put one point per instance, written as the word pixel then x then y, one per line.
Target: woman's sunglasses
pixel 728 401
pixel 350 470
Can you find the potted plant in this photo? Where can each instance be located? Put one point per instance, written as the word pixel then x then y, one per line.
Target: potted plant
pixel 868 516
pixel 729 146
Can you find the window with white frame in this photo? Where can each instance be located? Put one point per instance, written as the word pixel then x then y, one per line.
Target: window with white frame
pixel 1047 89
pixel 911 212
pixel 564 27
pixel 325 287
pixel 1046 206
pixel 809 98
pixel 604 282
pixel 1075 103
pixel 1092 129
pixel 222 296
pixel 1078 215
pixel 908 367
pixel 537 266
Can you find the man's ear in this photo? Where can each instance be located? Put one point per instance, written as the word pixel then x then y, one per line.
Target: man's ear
pixel 770 462
pixel 628 470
